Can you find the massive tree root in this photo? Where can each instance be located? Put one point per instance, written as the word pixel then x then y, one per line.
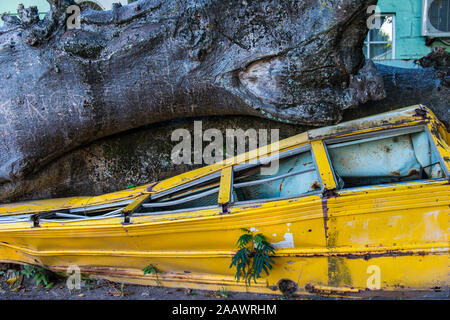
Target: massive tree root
pixel 156 60
pixel 82 111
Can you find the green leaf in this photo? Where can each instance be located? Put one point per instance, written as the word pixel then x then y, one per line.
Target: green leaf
pixel 244 240
pixel 27 271
pixel 50 285
pixel 241 261
pixel 261 241
pixel 150 269
pixel 251 263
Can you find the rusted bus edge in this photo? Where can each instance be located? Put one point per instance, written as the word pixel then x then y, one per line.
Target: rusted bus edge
pixel 361 293
pixel 172 280
pixel 404 117
pixel 169 276
pixel 214 282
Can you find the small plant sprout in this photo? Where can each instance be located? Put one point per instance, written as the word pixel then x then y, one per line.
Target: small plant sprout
pixel 224 293
pixel 252 256
pixel 151 269
pixel 40 276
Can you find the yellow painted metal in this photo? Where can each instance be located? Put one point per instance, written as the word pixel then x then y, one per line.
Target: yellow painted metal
pixel 70 203
pixel 323 165
pixel 225 185
pixel 394 236
pixel 136 203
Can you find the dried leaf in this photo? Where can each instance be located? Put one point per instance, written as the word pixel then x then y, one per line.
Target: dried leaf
pixel 16 289
pixel 12 280
pixel 118 293
pixel 114 293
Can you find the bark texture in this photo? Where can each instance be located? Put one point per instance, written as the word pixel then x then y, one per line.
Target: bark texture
pixel 428 85
pixel 135 157
pixel 155 60
pixel 88 111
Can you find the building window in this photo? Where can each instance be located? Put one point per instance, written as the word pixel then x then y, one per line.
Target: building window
pixel 380 43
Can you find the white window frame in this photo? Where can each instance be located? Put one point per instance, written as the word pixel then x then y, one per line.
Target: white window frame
pixel 282 155
pixel 367 41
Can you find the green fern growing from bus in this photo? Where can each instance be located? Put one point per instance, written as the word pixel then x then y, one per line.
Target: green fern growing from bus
pixel 252 257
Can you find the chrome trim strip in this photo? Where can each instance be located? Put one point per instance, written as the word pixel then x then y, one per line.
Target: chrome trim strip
pixel 140 214
pixel 102 206
pixel 251 183
pixel 258 201
pixel 175 202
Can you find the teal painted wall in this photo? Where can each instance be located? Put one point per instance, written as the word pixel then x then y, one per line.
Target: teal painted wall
pixel 409 44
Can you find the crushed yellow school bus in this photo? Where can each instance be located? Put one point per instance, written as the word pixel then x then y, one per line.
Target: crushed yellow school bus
pixel 360 208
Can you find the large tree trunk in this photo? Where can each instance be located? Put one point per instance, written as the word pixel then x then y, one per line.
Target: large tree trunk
pixel 69 98
pixel 155 60
pixel 135 157
pixel 429 86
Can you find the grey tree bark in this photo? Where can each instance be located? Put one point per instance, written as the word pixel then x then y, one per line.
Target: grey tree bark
pixel 428 85
pixel 87 111
pixel 156 60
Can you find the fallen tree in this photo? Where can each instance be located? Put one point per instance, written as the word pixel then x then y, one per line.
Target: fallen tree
pixel 154 60
pixel 82 111
pixel 428 85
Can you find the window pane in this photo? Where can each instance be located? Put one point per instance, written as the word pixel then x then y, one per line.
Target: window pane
pixel 381 51
pixel 296 176
pixel 386 32
pixel 387 160
pixel 202 195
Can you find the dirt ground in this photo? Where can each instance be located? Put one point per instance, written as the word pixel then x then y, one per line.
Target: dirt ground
pixel 106 290
pixel 16 286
